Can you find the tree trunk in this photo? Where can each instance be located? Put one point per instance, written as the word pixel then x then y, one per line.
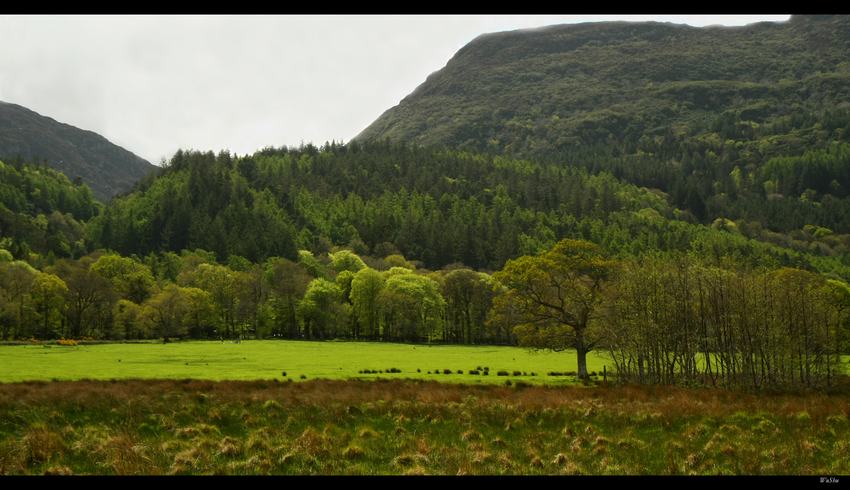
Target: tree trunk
pixel 581 354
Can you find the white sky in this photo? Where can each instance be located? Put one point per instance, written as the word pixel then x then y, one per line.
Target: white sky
pixel 153 84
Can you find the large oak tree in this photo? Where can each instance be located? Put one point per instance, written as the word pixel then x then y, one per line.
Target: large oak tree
pixel 554 298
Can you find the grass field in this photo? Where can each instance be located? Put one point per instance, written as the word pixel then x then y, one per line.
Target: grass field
pixel 268 359
pixel 413 427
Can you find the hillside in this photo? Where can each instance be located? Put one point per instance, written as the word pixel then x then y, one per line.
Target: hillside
pixel 30 137
pixel 707 115
pixel 435 206
pixel 42 211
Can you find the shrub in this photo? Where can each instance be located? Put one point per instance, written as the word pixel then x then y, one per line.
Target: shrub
pixel 502 373
pixel 447 371
pixel 517 373
pixel 474 372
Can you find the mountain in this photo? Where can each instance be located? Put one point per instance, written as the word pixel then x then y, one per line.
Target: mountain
pixel 107 168
pixel 745 123
pixel 540 91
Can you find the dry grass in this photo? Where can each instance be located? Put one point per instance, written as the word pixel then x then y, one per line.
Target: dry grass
pixel 398 427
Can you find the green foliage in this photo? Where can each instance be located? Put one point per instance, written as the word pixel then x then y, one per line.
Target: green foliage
pixel 366 287
pixel 42 211
pixel 323 310
pixel 555 298
pixel 412 306
pixel 132 280
pixel 346 260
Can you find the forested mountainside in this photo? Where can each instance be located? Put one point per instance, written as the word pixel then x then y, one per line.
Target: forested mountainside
pixel 435 206
pixel 108 169
pixel 744 123
pixel 42 212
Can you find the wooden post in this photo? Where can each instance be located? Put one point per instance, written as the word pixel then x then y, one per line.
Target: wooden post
pixel 604 374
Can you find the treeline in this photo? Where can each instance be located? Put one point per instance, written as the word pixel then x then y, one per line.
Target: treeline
pixel 191 295
pixel 663 318
pixel 438 207
pixel 686 322
pixel 680 318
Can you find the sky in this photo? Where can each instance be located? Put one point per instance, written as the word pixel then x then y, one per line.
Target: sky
pixel 155 84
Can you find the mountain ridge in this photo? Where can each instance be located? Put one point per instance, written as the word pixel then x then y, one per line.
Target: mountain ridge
pixel 106 167
pixel 487 66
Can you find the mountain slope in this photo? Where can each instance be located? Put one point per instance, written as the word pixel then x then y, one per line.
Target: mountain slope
pixel 107 168
pixel 438 207
pixel 746 123
pixel 534 92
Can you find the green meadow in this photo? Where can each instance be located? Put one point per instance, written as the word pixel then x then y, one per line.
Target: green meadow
pixel 269 359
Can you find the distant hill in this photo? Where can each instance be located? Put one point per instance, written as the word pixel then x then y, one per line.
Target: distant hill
pixel 107 168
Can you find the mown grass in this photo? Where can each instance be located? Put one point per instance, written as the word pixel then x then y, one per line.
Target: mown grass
pixel 413 427
pixel 269 359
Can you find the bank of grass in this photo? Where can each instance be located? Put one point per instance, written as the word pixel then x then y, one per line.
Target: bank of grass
pixel 413 427
pixel 270 359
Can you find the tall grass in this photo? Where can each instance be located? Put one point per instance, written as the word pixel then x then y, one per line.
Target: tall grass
pixel 409 427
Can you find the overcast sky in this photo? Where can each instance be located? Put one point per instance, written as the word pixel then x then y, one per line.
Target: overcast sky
pixel 155 84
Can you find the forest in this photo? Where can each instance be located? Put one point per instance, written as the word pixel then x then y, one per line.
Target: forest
pixel 398 243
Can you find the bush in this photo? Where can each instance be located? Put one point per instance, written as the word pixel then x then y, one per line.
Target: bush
pixel 517 373
pixel 502 373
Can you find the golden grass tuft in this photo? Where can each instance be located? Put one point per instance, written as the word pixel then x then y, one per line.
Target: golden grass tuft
pixel 405 460
pixel 59 470
pixel 471 435
pixel 312 443
pixel 560 459
pixel 415 471
pixel 481 457
pixel 578 444
pixel 41 445
pixel 367 433
pixel 353 452
pixel 229 447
